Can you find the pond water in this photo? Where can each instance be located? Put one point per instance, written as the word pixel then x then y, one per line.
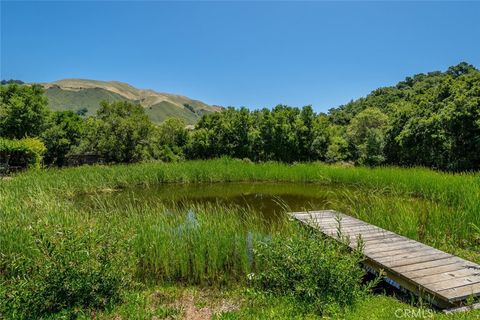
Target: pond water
pixel 410 216
pixel 267 199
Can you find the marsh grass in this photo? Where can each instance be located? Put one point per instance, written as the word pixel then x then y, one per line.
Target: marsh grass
pixel 207 245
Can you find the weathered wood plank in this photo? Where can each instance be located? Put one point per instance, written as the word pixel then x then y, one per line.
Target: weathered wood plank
pixel 461 293
pixel 407 259
pixel 402 251
pixel 426 272
pixel 469 273
pixel 372 249
pixel 426 264
pixel 454 283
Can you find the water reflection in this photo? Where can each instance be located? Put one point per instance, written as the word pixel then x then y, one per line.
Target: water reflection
pixel 268 199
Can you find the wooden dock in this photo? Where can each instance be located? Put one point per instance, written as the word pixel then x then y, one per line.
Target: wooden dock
pixel 438 277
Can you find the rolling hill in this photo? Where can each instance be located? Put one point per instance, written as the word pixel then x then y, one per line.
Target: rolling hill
pixel 75 94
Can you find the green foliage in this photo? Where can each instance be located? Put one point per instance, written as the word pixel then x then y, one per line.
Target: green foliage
pixel 310 268
pixel 171 139
pixel 120 132
pixel 82 111
pixel 284 134
pixel 146 227
pixel 337 150
pixel 427 120
pixel 23 111
pixel 172 132
pixel 28 151
pixel 64 132
pixel 70 269
pixel 366 132
pixel 434 119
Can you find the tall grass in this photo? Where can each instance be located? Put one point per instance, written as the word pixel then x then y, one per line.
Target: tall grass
pixel 209 244
pixel 455 197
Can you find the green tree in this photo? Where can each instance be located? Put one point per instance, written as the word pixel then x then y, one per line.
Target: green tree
pixel 321 137
pixel 305 133
pixel 23 111
pixel 199 145
pixel 120 132
pixel 367 133
pixel 172 138
pixel 173 132
pixel 64 131
pixel 337 150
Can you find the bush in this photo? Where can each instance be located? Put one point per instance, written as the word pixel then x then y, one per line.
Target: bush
pixel 309 268
pixel 64 132
pixel 120 133
pixel 23 110
pixel 169 154
pixel 68 271
pixel 27 151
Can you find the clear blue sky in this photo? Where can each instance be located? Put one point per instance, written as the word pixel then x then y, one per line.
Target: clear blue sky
pixel 255 54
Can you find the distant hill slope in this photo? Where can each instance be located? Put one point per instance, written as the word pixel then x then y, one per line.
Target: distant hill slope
pixel 75 94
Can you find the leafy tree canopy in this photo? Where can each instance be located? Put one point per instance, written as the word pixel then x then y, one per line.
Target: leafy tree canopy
pixel 23 111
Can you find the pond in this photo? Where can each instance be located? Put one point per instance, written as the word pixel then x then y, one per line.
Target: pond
pixel 267 199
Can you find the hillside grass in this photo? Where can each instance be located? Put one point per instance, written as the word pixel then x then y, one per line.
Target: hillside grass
pixel 59 100
pixel 163 110
pixel 158 106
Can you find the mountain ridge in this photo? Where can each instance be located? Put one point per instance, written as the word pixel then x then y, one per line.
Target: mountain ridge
pixel 75 94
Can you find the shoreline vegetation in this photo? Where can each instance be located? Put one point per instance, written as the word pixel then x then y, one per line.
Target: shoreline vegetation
pixel 61 260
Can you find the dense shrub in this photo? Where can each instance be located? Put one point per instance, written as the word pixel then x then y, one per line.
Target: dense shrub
pixel 120 132
pixel 27 151
pixel 64 132
pixel 23 111
pixel 310 268
pixel 67 271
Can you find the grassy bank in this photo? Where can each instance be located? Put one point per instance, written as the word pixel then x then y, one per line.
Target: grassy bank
pixel 453 215
pixel 53 252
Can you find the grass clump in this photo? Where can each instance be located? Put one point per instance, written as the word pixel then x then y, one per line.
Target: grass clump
pixel 70 270
pixel 212 245
pixel 308 267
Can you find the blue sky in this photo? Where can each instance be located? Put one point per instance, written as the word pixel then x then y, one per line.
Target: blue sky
pixel 255 54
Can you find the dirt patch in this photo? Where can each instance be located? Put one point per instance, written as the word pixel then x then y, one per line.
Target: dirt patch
pixel 197 305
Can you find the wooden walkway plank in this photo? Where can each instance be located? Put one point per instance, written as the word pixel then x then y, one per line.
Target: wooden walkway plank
pixel 408 252
pixel 426 265
pixel 410 259
pixel 434 270
pixel 440 277
pixel 370 250
pixel 449 276
pixel 461 293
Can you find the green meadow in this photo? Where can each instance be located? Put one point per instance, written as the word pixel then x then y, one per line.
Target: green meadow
pixel 65 257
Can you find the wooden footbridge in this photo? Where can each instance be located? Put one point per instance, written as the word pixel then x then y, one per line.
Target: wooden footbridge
pixel 440 278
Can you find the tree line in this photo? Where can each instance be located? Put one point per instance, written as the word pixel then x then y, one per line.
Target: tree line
pixel 428 120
